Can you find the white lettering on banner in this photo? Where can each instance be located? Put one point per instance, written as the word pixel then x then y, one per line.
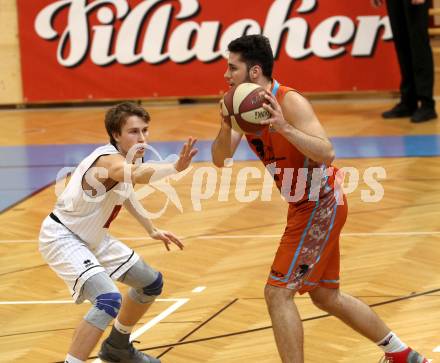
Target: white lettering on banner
pixel 190 40
pixel 307 6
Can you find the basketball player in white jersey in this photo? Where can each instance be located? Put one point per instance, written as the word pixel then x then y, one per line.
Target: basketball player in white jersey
pixel 75 242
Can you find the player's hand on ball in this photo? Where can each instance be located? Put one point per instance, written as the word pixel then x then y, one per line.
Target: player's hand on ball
pixel 276 121
pixel 226 120
pixel 167 238
pixel 186 154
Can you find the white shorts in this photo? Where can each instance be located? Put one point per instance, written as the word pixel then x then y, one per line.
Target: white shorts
pixel 75 262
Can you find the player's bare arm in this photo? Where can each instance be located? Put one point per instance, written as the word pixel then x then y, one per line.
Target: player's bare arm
pixel 136 210
pixel 225 143
pixel 297 122
pixel 119 170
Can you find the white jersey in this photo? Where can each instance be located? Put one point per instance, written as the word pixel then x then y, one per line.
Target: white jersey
pixel 86 216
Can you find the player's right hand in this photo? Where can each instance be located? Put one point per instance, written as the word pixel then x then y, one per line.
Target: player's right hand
pixel 186 154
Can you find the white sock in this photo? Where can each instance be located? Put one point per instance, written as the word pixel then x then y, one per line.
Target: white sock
pixel 391 344
pixel 124 329
pixel 72 359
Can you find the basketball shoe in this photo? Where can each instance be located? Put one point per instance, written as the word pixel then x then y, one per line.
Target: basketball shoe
pixel 406 356
pixel 129 354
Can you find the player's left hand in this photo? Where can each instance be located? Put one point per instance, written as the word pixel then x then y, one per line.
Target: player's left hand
pixel 276 121
pixel 417 2
pixel 186 154
pixel 167 238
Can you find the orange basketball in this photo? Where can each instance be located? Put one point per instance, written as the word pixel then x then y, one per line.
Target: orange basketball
pixel 242 106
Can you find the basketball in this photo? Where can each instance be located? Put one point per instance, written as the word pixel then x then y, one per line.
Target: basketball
pixel 242 107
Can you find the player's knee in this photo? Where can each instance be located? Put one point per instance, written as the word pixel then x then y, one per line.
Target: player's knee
pixel 319 303
pixel 325 299
pixel 110 303
pixel 155 288
pixel 105 308
pixel 276 295
pixel 148 293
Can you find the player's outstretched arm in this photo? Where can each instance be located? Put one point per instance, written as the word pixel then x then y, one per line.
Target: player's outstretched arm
pixel 121 171
pixel 225 143
pixel 297 122
pixel 135 208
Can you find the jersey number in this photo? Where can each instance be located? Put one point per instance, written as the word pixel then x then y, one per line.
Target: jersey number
pixel 114 214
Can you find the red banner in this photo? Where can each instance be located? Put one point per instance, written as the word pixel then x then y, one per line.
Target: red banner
pixel 121 49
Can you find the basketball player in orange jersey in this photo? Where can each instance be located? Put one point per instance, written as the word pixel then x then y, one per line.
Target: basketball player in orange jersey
pixel 307 259
pixel 75 242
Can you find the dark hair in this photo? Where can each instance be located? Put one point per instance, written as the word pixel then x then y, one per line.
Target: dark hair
pixel 116 117
pixel 254 50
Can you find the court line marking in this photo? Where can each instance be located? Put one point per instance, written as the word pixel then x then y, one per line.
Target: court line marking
pixel 199 326
pixel 148 325
pixel 35 240
pixel 354 234
pixel 377 234
pixel 31 302
pixel 199 289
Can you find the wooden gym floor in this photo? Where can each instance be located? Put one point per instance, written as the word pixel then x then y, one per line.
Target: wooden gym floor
pixel 390 249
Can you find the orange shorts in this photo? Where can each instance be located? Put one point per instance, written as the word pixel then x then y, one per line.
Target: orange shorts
pixel 308 254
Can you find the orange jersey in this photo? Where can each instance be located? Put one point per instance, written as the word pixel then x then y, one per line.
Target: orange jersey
pixel 308 253
pixel 275 151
